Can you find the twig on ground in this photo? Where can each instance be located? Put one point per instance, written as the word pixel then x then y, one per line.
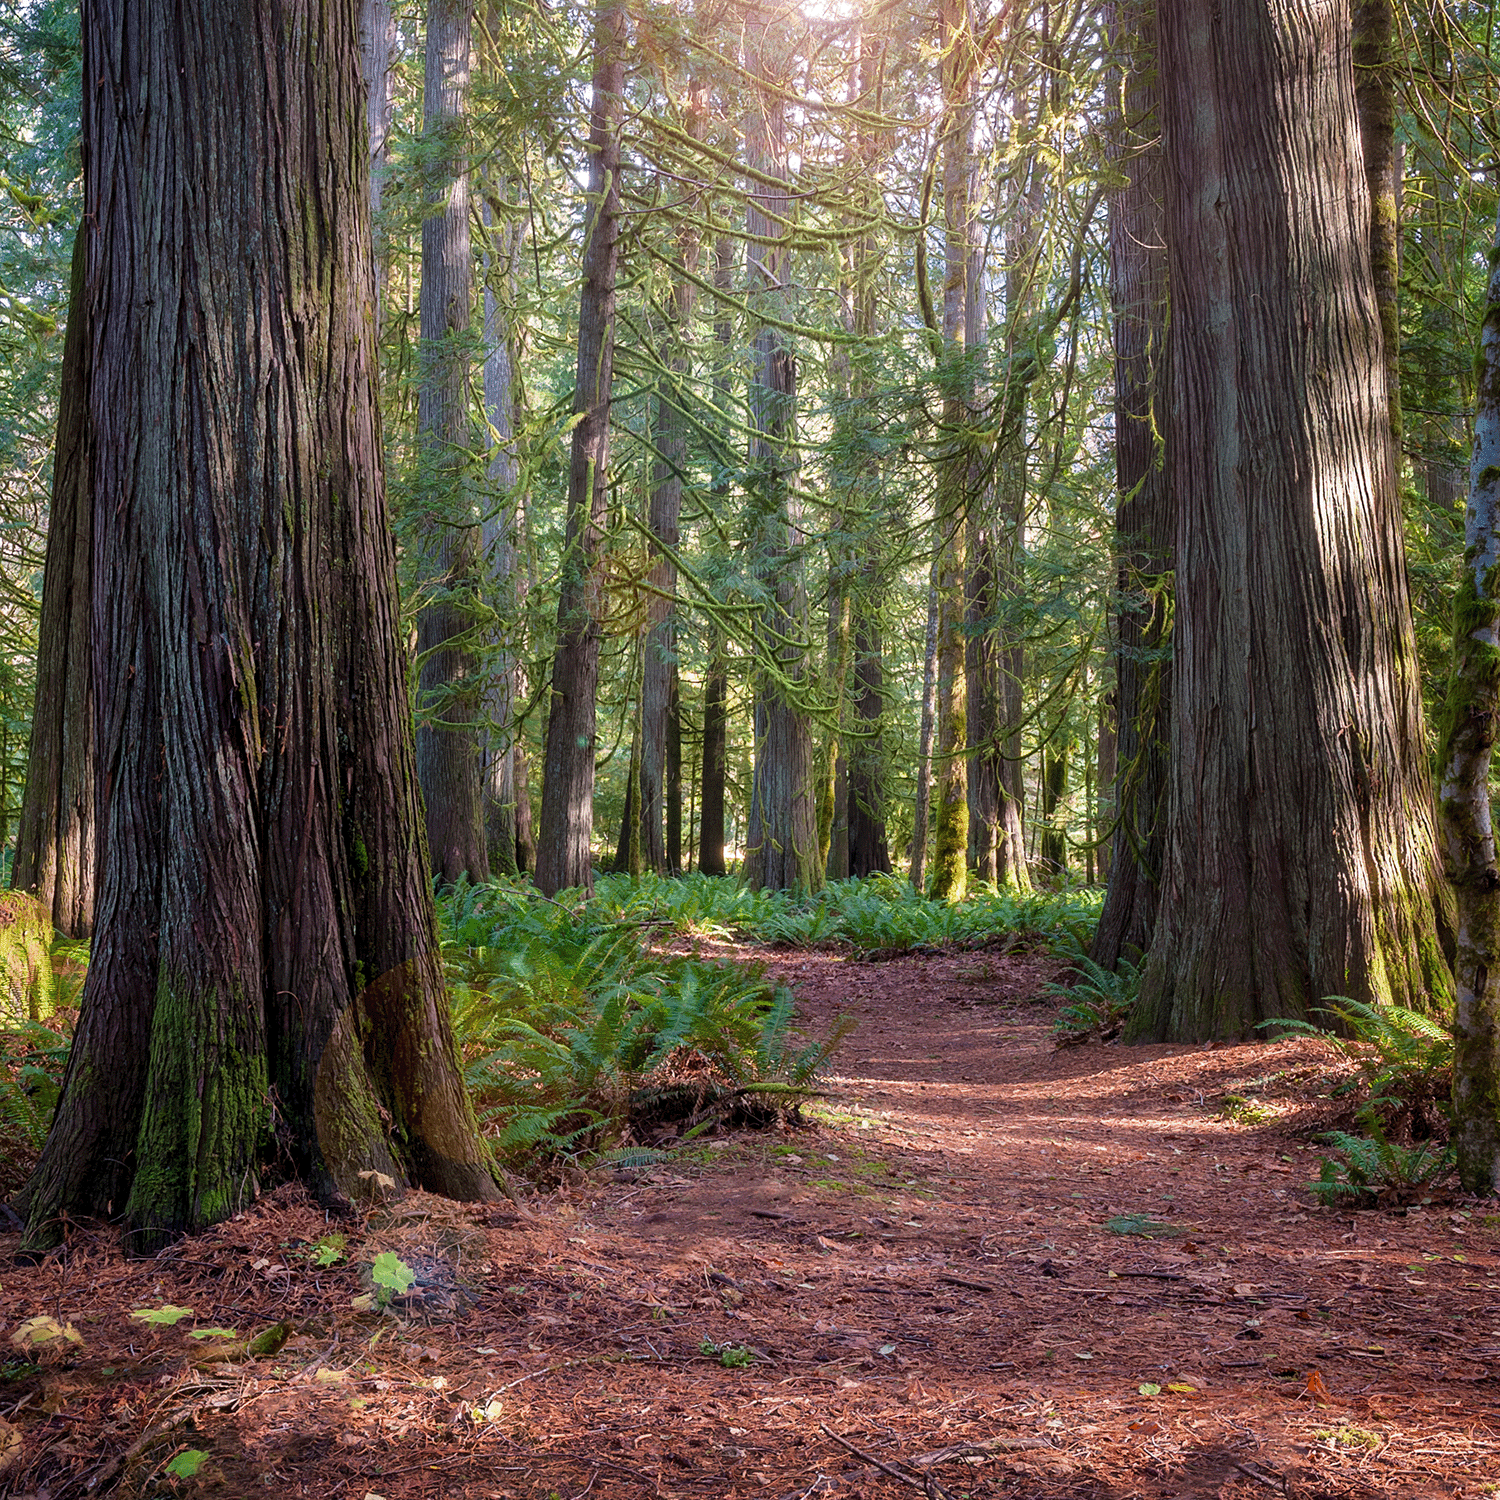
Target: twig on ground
pixel 927 1483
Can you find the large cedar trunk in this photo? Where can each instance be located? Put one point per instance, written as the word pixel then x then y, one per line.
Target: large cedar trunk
pixel 265 954
pixel 450 756
pixel 55 839
pixel 563 845
pixel 1145 516
pixel 782 844
pixel 1301 859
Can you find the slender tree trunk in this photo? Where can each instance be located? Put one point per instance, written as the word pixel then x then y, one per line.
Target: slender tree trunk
pixel 920 812
pixel 666 511
pixel 1375 92
pixel 1464 760
pixel 628 850
pixel 715 769
pixel 377 49
pixel 867 775
pixel 950 866
pixel 1055 758
pixel 450 757
pixel 265 928
pixel 674 774
pixel 1301 859
pixel 563 848
pixel 55 838
pixel 1145 507
pixel 715 758
pixel 499 535
pixel 782 849
pixel 1108 804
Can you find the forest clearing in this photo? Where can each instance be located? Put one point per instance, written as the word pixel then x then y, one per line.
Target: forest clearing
pixel 996 1267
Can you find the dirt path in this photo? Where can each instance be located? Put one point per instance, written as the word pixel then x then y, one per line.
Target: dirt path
pixel 946 1268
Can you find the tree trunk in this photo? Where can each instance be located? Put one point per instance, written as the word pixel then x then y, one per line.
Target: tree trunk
pixel 499 534
pixel 563 847
pixel 866 796
pixel 377 48
pixel 715 764
pixel 950 858
pixel 670 464
pixel 920 811
pixel 55 837
pixel 1375 93
pixel 450 757
pixel 265 928
pixel 628 850
pixel 782 843
pixel 674 774
pixel 1054 849
pixel 1301 859
pixel 1145 506
pixel 1464 760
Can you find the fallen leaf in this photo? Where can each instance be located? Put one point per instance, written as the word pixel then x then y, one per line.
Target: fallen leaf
pixel 1316 1387
pixel 1149 1388
pixel 10 1445
pixel 45 1337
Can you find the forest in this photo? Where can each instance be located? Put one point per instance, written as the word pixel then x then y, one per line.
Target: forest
pixel 748 634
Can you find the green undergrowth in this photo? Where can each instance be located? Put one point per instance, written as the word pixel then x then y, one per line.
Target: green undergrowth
pixel 877 915
pixel 33 1054
pixel 579 1039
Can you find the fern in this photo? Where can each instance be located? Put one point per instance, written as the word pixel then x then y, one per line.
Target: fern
pixel 1099 1000
pixel 1371 1168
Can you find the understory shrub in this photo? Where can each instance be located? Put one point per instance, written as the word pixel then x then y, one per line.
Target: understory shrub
pixel 875 915
pixel 1404 1059
pixel 1099 1001
pixel 577 1035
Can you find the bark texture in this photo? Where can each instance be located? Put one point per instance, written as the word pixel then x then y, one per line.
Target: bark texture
pixel 563 844
pixel 1375 92
pixel 781 850
pixel 450 754
pixel 950 857
pixel 265 957
pixel 377 52
pixel 1145 516
pixel 1464 760
pixel 715 765
pixel 921 813
pixel 1301 859
pixel 55 837
pixel 501 529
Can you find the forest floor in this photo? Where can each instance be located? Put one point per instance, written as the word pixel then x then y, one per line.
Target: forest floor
pixel 938 1286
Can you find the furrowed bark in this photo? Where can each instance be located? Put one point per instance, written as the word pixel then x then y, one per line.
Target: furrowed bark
pixel 1301 859
pixel 920 812
pixel 782 843
pixel 265 958
pixel 1145 512
pixel 563 845
pixel 450 756
pixel 950 858
pixel 1464 759
pixel 55 836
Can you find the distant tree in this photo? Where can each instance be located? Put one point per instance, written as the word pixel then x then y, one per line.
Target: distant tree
pixel 265 960
pixel 450 755
pixel 1145 516
pixel 1464 760
pixel 563 844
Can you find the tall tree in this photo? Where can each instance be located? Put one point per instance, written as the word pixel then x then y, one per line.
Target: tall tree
pixel 55 838
pixel 950 859
pixel 1145 519
pixel 1464 760
pixel 505 228
pixel 450 756
pixel 265 927
pixel 1301 859
pixel 782 843
pixel 563 844
pixel 377 50
pixel 671 438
